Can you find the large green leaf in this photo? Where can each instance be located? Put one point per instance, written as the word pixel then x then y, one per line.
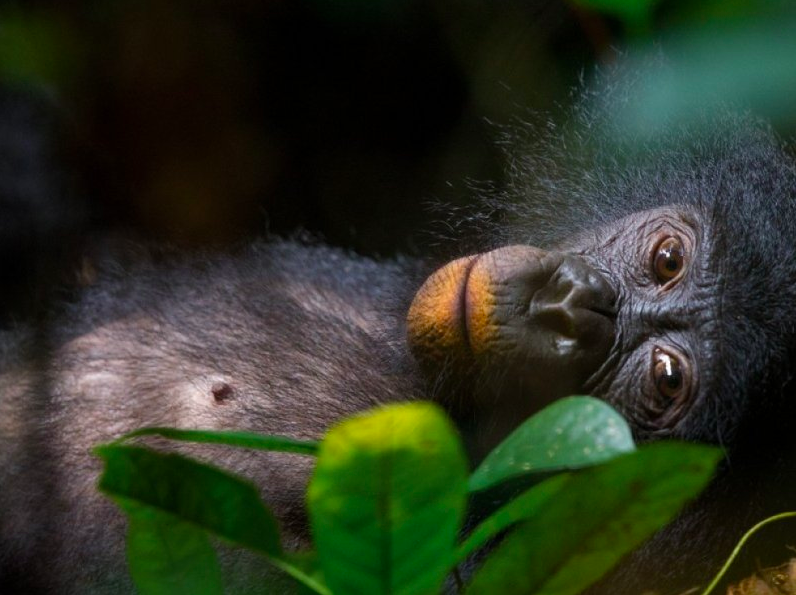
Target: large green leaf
pixel 387 499
pixel 231 438
pixel 169 486
pixel 577 535
pixel 208 497
pixel 168 556
pixel 571 433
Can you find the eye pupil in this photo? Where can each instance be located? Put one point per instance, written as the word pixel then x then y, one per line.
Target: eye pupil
pixel 671 264
pixel 673 381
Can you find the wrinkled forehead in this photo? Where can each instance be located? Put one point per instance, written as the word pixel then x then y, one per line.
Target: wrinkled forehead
pixel 633 229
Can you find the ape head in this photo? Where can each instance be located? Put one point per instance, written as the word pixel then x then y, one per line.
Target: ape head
pixel 665 282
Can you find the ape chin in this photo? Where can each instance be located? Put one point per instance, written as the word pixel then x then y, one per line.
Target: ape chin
pixel 660 278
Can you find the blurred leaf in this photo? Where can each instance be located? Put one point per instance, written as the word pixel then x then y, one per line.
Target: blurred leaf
pixel 231 438
pixel 208 498
pixel 572 539
pixel 307 562
pixel 571 433
pixel 709 69
pixel 217 501
pixel 520 508
pixel 37 48
pixel 713 11
pixel 387 499
pixel 168 556
pixel 635 14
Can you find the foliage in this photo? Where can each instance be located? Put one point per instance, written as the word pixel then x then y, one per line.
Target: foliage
pixel 388 496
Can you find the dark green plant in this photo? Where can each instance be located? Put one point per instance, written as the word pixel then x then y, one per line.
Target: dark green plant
pixel 388 496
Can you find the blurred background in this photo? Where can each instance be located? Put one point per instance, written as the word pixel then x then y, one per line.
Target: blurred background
pixel 204 123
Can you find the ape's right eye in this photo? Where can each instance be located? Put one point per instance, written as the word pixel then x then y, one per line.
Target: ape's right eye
pixel 668 260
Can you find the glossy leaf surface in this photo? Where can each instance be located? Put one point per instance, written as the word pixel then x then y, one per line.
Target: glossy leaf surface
pixel 387 500
pixel 573 538
pixel 571 433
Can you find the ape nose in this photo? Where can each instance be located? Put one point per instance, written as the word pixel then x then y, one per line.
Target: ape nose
pixel 575 284
pixel 576 302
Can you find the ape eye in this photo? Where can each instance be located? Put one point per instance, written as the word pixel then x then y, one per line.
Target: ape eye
pixel 668 375
pixel 667 260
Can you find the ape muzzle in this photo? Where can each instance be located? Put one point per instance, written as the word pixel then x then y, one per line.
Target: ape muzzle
pixel 542 322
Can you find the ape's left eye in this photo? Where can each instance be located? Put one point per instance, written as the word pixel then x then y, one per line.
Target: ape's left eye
pixel 668 260
pixel 670 375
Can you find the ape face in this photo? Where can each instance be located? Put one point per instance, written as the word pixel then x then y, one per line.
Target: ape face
pixel 622 313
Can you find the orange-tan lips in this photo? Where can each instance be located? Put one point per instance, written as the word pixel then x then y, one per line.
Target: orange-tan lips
pixel 449 317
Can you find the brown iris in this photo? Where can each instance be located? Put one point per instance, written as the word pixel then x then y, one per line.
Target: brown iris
pixel 668 260
pixel 668 374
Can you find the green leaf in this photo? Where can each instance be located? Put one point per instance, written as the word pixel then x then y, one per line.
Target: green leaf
pixel 706 70
pixel 306 561
pixel 201 495
pixel 38 47
pixel 231 438
pixel 573 538
pixel 520 508
pixel 209 498
pixel 571 433
pixel 169 556
pixel 635 13
pixel 620 8
pixel 387 499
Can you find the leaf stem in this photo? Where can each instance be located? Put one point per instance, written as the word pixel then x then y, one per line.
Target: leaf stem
pixel 300 576
pixel 741 543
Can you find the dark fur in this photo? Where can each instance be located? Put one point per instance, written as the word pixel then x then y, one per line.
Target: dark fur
pixel 302 335
pixel 299 336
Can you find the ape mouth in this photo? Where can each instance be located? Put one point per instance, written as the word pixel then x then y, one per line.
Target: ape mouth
pixel 438 325
pixel 465 303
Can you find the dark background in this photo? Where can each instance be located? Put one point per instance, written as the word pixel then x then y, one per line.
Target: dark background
pixel 205 123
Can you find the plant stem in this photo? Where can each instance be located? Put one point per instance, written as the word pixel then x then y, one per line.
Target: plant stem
pixel 741 543
pixel 300 576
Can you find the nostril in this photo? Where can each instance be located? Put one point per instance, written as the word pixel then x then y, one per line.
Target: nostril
pixel 596 299
pixel 582 286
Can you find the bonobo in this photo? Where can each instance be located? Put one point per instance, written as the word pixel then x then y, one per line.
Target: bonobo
pixel 659 276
